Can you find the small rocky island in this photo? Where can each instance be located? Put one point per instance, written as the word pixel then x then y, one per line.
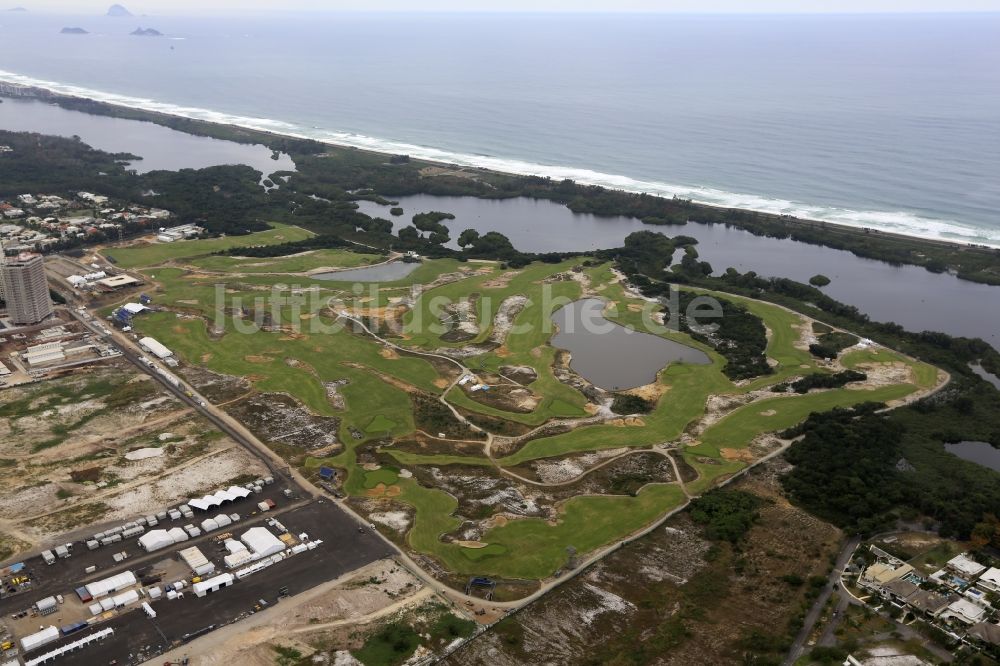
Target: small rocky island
pixel 147 32
pixel 118 11
pixel 73 31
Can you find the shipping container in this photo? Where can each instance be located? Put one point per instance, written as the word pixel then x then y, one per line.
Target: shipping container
pixel 73 628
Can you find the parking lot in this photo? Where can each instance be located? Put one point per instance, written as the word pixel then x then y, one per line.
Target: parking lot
pixel 138 637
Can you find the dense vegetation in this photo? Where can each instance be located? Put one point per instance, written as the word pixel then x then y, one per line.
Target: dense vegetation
pixel 626 403
pixel 726 515
pixel 829 345
pixel 821 381
pixel 848 467
pixel 738 335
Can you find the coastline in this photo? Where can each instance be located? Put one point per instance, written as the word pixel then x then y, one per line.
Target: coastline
pixel 827 233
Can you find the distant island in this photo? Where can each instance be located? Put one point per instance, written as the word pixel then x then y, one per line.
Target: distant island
pixel 17 9
pixel 147 32
pixel 118 11
pixel 73 31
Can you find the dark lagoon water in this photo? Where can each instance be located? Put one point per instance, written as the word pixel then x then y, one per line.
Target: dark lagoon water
pixel 160 148
pixel 981 453
pixel 612 356
pixel 908 295
pixel 985 374
pixel 396 270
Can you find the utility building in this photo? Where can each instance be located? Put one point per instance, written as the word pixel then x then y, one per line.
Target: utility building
pixel 24 288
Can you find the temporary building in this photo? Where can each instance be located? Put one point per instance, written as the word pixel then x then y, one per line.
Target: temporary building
pixel 177 534
pixel 218 498
pixel 155 540
pixel 193 556
pixel 46 605
pixel 209 525
pixel 134 308
pixel 262 542
pixel 155 348
pixel 223 520
pixel 213 584
pixel 197 561
pixel 126 598
pixel 95 609
pixel 115 583
pixel 234 546
pixel 70 647
pixel 40 638
pixel 154 592
pixel 107 603
pixel 237 559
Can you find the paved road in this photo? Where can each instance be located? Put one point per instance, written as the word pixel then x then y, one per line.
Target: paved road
pixel 833 583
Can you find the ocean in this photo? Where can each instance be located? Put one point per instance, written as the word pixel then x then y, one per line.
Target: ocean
pixel 885 121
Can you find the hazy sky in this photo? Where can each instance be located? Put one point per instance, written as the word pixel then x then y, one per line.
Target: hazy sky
pixel 700 6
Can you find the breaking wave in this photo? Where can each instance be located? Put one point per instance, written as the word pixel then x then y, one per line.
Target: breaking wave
pixel 898 222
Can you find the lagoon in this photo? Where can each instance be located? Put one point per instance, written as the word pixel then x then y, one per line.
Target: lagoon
pixel 160 148
pixel 910 296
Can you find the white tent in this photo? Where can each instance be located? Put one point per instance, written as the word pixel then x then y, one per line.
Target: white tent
pixel 114 583
pixel 40 638
pixel 177 534
pixel 262 542
pixel 155 540
pixel 234 546
pixel 126 598
pixel 213 584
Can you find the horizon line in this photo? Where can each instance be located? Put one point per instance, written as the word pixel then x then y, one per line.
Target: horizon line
pixel 638 12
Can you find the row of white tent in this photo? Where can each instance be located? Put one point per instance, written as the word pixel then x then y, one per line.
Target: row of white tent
pixel 159 539
pixel 118 601
pixel 218 498
pixel 65 649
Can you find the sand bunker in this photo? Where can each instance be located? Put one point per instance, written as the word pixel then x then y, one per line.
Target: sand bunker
pixel 143 454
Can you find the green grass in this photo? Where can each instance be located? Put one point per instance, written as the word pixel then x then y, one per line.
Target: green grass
pixel 264 358
pixel 386 475
pixel 924 376
pixel 527 548
pixel 158 253
pixel 531 548
pixel 739 428
pixel 690 386
pixel 293 264
pixel 527 345
pixel 380 424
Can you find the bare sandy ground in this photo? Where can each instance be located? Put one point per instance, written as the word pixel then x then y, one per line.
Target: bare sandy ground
pixel 358 598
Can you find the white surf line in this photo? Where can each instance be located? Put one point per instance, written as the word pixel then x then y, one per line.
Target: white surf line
pixel 893 222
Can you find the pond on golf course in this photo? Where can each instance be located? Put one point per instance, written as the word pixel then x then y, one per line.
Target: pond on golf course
pixel 981 453
pixel 612 356
pixel 396 270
